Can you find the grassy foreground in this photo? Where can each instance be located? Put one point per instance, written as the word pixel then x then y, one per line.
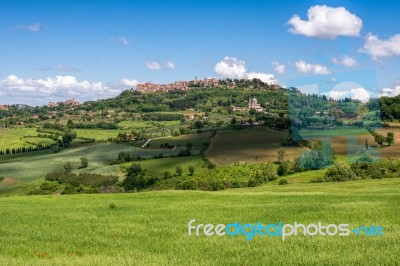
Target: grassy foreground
pixel 151 228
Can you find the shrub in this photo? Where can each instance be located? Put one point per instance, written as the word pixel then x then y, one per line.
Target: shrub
pixel 167 175
pixel 339 173
pixel 84 162
pixel 178 170
pixel 285 168
pixel 191 169
pixel 189 184
pixel 283 181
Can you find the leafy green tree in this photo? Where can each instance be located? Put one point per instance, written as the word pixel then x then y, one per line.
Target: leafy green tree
pixel 68 137
pixel 84 162
pixel 390 138
pixel 167 175
pixel 178 170
pixel 339 173
pixel 191 170
pixel 67 167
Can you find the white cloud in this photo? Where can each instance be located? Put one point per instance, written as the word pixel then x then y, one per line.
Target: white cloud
pixel 390 92
pixel 360 94
pixel 303 67
pixel 231 67
pixel 326 22
pixel 169 65
pixel 345 61
pixel 279 68
pixel 32 27
pixel 267 78
pixel 39 91
pixel 120 40
pixel 128 82
pixel 156 65
pixel 153 65
pixel 377 48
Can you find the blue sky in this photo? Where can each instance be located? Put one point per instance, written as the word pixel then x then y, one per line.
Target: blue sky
pixel 54 50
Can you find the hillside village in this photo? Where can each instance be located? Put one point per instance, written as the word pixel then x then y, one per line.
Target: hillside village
pixel 196 83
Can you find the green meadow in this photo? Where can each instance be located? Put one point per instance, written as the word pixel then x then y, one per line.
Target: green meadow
pixel 32 166
pixel 21 137
pixel 150 228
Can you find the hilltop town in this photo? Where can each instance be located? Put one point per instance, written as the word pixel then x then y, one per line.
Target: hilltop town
pixel 196 83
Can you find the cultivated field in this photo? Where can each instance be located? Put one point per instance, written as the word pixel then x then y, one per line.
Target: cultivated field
pixel 349 142
pixel 159 166
pixel 32 166
pixel 151 228
pixel 195 139
pixel 98 134
pixel 148 125
pixel 252 145
pixel 21 137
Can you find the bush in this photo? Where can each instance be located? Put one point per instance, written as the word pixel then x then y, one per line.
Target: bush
pixel 84 162
pixel 283 181
pixel 339 173
pixel 112 206
pixel 285 168
pixel 167 175
pixel 189 184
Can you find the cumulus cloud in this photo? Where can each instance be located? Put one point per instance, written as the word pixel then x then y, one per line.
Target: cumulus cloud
pixel 326 22
pixel 169 65
pixel 156 65
pixel 390 92
pixel 378 48
pixel 153 65
pixel 231 67
pixel 267 78
pixel 345 61
pixel 279 68
pixel 39 91
pixel 32 27
pixel 360 94
pixel 128 83
pixel 317 69
pixel 120 40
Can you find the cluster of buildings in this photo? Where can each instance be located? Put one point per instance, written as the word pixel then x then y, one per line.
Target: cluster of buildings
pixel 3 107
pixel 71 103
pixel 178 85
pixel 252 105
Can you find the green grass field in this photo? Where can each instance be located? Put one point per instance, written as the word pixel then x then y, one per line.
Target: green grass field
pixel 151 228
pixel 251 145
pixel 14 138
pixel 21 170
pixel 98 134
pixel 148 125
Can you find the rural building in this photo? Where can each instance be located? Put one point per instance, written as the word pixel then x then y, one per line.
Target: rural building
pixel 254 105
